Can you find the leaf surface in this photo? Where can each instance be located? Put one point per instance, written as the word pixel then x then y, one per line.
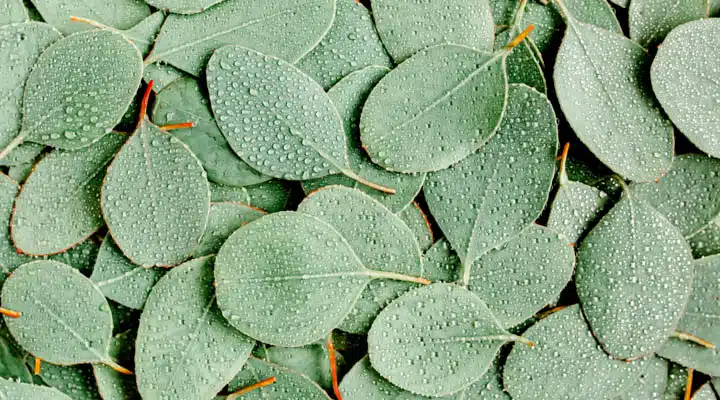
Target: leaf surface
pixel 224 219
pixel 121 14
pixel 17 390
pixel 289 384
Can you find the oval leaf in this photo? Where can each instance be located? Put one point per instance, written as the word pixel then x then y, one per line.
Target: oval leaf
pixel 575 209
pixel 75 380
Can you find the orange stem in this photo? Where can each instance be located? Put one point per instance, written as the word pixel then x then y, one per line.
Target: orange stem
pixel 333 367
pixel 144 103
pixel 38 365
pixel 688 386
pixel 246 389
pixel 177 126
pixel 9 313
pixel 520 37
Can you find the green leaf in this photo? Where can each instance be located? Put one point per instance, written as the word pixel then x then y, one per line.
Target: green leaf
pixel 13 12
pixel 162 74
pixel 633 276
pixel 185 349
pixel 415 218
pixel 64 320
pixel 650 383
pixel 20 172
pixel 81 257
pixel 566 363
pixel 235 194
pixel 183 6
pixel 441 263
pixel 702 319
pixel 12 362
pixel 188 41
pixel 379 238
pixel 113 385
pixel 348 96
pixel 706 241
pixel 22 391
pixel 351 45
pixel 436 340
pixel 59 204
pixel 525 274
pixel 424 117
pixel 290 269
pixel 682 78
pixel 224 219
pixel 120 14
pixel 311 361
pixel 124 318
pixel 649 26
pixel 271 196
pixel 185 101
pixel 676 382
pixel 155 198
pixel 493 195
pixel 289 384
pixel 143 34
pixel 575 209
pixel 76 381
pixel 602 86
pixel 523 65
pixel 79 89
pixel 121 280
pixel 9 257
pixel 407 26
pixel 705 392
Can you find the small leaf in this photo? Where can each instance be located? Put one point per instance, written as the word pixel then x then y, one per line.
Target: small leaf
pixel 415 218
pixel 76 381
pixel 680 74
pixel 187 41
pixel 223 193
pixel 120 14
pixel 81 257
pixel 224 219
pixel 676 382
pixel 523 65
pixel 17 390
pixel 649 26
pixel 9 257
pixel 289 384
pixel 185 349
pixel 705 392
pixel 12 362
pixel 650 383
pixel 706 241
pixel 407 27
pixel 143 34
pixel 113 385
pixel 13 12
pixel 20 172
pixel 162 75
pixel 441 263
pixel 183 6
pixel 311 361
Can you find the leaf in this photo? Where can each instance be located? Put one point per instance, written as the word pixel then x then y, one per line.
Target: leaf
pixel 676 382
pixel 525 274
pixel 81 257
pixel 59 204
pixel 706 241
pixel 683 79
pixel 188 41
pixel 271 196
pixel 121 280
pixel 493 195
pixel 95 74
pixel 602 86
pixel 424 117
pixel 183 6
pixel 633 277
pixel 162 75
pixel 184 100
pixel 13 12
pixel 124 318
pixel 351 44
pixel 311 361
pixel 649 27
pixel 185 349
pixel 702 319
pixel 523 65
pixel 64 320
pixel 235 194
pixel 9 257
pixel 414 217
pixel 348 96
pixel 704 393
pixel 441 263
pixel 76 381
pixel 566 363
pixel 435 348
pixel 290 269
pixel 407 27
pixel 17 390
pixel 651 382
pixel 113 385
pixel 20 172
pixel 12 362
pixel 121 14
pixel 289 384
pixel 224 219
pixel 143 34
pixel 379 238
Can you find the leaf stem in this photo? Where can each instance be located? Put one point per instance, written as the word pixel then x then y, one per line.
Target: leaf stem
pixel 622 183
pixel 182 125
pixel 517 338
pixel 398 277
pixel 144 104
pixel 333 367
pixel 551 311
pixel 563 160
pixel 117 367
pixel 688 384
pixel 519 13
pixel 466 273
pixel 38 365
pixel 90 22
pixel 265 382
pixel 692 338
pixel 17 141
pixel 562 10
pixel 10 313
pixel 519 38
pixel 359 179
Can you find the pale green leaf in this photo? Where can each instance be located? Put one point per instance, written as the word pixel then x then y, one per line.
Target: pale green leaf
pixel 162 75
pixel 9 257
pixel 13 12
pixel 415 218
pixel 441 263
pixel 111 384
pixel 311 361
pixel 76 381
pixel 183 6
pixel 12 361
pixel 651 20
pixel 143 34
pixel 523 65
pixel 289 384
pixel 224 219
pixel 120 14
pixel 24 391
pixel 676 382
pixel 575 209
pixel 650 384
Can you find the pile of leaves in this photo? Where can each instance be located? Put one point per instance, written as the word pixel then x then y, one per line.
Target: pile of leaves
pixel 403 199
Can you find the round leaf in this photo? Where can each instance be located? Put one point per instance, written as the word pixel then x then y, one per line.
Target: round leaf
pixel 9 257
pixel 651 20
pixel 224 219
pixel 289 384
pixel 17 390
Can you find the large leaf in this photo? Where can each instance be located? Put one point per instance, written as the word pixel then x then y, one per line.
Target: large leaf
pixel 224 219
pixel 187 41
pixel 603 89
pixel 120 14
pixel 185 349
pixel 651 20
pixel 289 384
pixel 22 391
pixel 407 26
pixel 59 204
pixel 683 78
pixel 633 277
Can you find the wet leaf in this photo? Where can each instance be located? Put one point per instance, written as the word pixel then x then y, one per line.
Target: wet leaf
pixel 523 65
pixel 59 204
pixel 143 34
pixel 224 219
pixel 113 385
pixel 676 382
pixel 311 361
pixel 183 6
pixel 185 101
pixel 704 393
pixel 351 44
pixel 706 241
pixel 187 41
pixel 9 257
pixel 17 390
pixel 441 263
pixel 162 75
pixel 185 349
pixel 20 172
pixel 651 383
pixel 13 12
pixel 235 194
pixel 602 86
pixel 682 78
pixel 289 384
pixel 493 195
pixel 76 381
pixel 120 14
pixel 407 27
pixel 271 196
pixel 651 20
pixel 415 218
pixel 81 257
pixel 12 362
pixel 633 278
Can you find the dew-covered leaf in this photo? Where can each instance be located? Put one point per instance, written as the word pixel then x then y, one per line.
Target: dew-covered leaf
pixel 702 319
pixel 683 78
pixel 633 277
pixel 59 204
pixel 676 382
pixel 64 320
pixel 79 89
pixel 124 318
pixel 24 391
pixel 183 6
pixel 311 361
pixel 223 193
pixel 13 12
pixel 651 382
pixel 287 30
pixel 20 172
pixel 348 96
pixel 121 280
pixel 423 116
pixel 9 257
pixel 143 34
pixel 603 89
pixel 120 14
pixel 81 257
pixel 185 349
pixel 523 65
pixel 271 196
pixel 289 384
pixel 162 75
pixel 351 44
pixel 76 381
pixel 493 195
pixel 566 363
pixel 441 263
pixel 111 384
pixel 705 392
pixel 651 20
pixel 706 241
pixel 408 26
pixel 414 217
pixel 224 219
pixel 12 362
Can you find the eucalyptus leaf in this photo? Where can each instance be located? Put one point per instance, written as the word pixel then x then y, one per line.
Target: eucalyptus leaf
pixel 651 20
pixel 651 383
pixel 124 318
pixel 235 194
pixel 351 44
pixel 12 362
pixel 20 172
pixel 224 219
pixel 441 263
pixel 81 257
pixel 187 41
pixel 683 80
pixel 603 89
pixel 9 257
pixel 493 195
pixel 24 391
pixel 162 75
pixel 311 361
pixel 59 204
pixel 120 14
pixel 183 6
pixel 271 196
pixel 704 393
pixel 111 384
pixel 76 381
pixel 633 277
pixel 185 349
pixel 185 101
pixel 407 26
pixel 143 34
pixel 289 384
pixel 706 241
pixel 13 12
pixel 523 65
pixel 415 218
pixel 425 117
pixel 676 382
